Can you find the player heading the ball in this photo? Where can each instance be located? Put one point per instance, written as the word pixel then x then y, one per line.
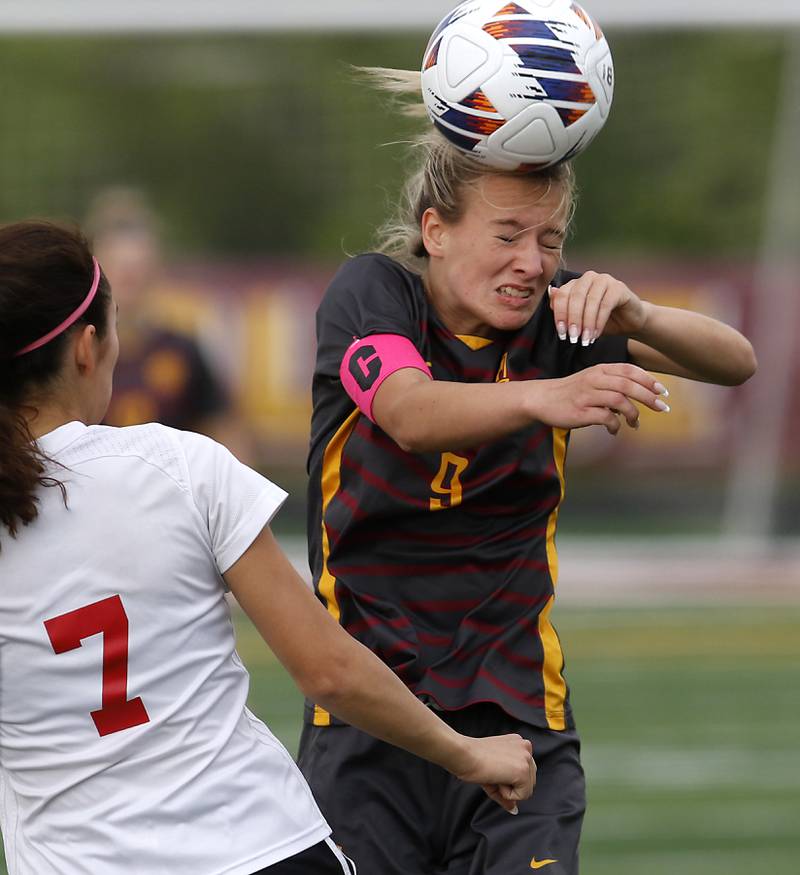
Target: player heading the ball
pixel 452 363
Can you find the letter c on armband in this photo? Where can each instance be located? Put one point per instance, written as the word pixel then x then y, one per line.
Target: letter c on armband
pixel 365 366
pixel 369 361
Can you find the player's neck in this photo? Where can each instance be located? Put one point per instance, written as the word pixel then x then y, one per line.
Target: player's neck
pixel 44 415
pixel 450 314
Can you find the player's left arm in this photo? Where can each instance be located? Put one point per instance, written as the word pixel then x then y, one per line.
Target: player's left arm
pixel 347 679
pixel 664 339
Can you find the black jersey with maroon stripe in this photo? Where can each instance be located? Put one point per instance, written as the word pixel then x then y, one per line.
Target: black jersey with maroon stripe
pixel 442 563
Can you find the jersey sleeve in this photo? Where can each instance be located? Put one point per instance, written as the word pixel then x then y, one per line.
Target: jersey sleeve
pixel 370 295
pixel 234 501
pixel 605 350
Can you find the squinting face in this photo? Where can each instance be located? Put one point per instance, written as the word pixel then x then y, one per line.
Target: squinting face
pixel 488 271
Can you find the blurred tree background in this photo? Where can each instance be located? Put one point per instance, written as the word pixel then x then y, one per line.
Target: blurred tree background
pixel 270 145
pixel 269 148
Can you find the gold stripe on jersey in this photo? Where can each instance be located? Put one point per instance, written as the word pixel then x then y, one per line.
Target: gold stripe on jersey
pixel 555 687
pixel 331 481
pixel 502 371
pixel 474 342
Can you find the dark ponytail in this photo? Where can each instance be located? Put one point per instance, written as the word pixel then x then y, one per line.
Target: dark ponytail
pixel 46 272
pixel 21 471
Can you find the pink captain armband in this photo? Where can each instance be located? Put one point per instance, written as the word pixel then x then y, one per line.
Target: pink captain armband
pixel 370 360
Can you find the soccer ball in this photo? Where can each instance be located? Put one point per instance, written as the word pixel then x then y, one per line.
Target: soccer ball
pixel 524 84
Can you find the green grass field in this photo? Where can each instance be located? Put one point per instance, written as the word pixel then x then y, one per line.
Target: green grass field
pixel 690 719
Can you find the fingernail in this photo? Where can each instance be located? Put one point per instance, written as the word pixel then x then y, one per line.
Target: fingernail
pixel 595 335
pixel 574 334
pixel 586 337
pixel 661 389
pixel 550 290
pixel 660 405
pixel 561 328
pixel 514 810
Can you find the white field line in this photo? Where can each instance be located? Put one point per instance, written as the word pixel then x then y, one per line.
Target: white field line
pixel 662 768
pixel 716 823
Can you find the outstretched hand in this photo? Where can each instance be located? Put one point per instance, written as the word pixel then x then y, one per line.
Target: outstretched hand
pixel 599 395
pixel 503 765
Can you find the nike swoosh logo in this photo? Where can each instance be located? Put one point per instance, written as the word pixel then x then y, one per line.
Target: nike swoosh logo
pixel 540 864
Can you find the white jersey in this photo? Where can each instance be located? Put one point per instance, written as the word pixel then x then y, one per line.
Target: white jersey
pixel 125 744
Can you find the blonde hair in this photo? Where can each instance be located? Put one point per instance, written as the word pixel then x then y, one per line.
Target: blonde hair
pixel 442 175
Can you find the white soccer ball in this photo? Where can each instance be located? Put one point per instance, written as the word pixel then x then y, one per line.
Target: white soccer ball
pixel 518 84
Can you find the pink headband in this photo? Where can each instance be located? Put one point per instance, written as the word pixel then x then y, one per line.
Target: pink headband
pixel 70 320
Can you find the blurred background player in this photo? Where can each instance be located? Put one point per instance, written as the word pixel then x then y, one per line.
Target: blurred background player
pixel 125 743
pixel 162 375
pixel 450 369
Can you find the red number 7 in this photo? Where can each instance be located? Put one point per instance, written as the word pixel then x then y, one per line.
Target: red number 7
pixel 107 616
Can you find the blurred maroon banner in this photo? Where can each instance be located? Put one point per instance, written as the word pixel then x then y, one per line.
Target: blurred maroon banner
pixel 256 321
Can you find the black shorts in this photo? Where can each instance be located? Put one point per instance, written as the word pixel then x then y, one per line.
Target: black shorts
pixel 396 814
pixel 322 859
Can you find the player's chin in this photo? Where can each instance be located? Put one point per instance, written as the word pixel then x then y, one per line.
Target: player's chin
pixel 512 320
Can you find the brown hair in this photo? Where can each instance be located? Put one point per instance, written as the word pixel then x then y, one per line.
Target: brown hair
pixel 46 271
pixel 442 175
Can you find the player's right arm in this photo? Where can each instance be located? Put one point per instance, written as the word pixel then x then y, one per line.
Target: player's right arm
pixel 348 680
pixel 423 415
pixel 368 336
